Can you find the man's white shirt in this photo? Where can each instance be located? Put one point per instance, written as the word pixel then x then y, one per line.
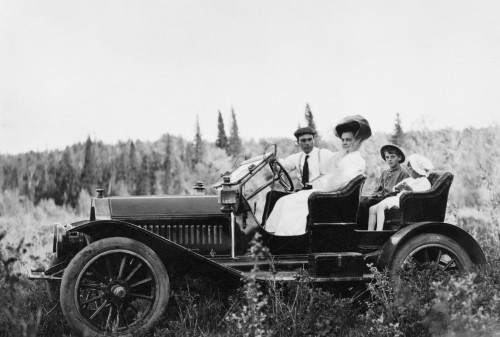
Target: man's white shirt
pixel 317 162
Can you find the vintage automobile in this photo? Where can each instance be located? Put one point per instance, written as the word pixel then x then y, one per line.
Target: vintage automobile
pixel 117 268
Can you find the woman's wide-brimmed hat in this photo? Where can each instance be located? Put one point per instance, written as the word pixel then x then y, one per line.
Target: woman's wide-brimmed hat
pixel 420 164
pixel 389 147
pixel 356 124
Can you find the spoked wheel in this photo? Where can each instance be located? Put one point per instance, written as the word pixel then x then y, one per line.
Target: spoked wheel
pixel 428 250
pixel 114 287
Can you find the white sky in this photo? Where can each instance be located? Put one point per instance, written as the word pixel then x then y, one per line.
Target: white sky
pixel 122 69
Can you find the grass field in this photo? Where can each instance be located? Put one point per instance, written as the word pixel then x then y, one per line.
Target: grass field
pixel 431 305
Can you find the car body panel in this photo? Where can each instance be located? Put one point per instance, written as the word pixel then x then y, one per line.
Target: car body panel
pixel 176 257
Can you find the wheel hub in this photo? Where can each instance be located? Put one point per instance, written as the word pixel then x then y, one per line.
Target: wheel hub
pixel 119 291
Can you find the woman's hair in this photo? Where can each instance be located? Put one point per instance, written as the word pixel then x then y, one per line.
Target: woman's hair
pixel 348 127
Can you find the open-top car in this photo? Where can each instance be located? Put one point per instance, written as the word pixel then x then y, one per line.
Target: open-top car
pixel 117 268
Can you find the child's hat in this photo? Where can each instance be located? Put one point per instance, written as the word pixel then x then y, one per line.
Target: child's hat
pixel 420 164
pixel 389 147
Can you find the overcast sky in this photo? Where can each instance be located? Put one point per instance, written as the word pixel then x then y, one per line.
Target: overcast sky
pixel 118 70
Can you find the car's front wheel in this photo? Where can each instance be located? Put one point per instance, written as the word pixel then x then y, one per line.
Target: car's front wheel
pixel 114 287
pixel 430 249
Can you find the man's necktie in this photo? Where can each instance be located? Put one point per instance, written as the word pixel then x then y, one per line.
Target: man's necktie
pixel 305 171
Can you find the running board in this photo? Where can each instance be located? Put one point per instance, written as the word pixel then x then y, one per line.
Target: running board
pixel 294 276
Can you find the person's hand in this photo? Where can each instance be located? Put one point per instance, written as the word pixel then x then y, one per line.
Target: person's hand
pixel 275 167
pixel 398 188
pixel 406 187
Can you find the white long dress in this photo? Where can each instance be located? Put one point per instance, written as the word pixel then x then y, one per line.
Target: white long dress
pixel 289 215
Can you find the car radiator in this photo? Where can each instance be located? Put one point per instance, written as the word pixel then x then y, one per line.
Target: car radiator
pixel 189 234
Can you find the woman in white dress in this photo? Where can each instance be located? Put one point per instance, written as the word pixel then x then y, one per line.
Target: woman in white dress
pixel 289 215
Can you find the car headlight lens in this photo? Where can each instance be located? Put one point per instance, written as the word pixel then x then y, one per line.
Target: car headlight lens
pixel 228 198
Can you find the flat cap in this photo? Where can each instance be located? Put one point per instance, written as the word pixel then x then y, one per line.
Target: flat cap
pixel 304 131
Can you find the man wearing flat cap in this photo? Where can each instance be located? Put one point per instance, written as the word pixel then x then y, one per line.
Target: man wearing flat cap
pixel 310 163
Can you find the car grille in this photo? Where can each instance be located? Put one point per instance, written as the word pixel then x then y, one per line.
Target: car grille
pixel 189 234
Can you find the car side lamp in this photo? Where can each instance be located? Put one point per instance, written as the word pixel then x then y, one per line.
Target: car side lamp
pixel 228 196
pixel 199 188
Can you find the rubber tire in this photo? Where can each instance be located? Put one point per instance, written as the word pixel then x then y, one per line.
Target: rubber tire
pixel 67 294
pixel 425 240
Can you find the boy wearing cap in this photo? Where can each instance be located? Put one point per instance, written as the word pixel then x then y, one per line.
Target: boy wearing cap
pixel 311 163
pixel 394 157
pixel 419 168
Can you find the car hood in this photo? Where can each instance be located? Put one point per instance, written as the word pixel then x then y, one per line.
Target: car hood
pixel 164 206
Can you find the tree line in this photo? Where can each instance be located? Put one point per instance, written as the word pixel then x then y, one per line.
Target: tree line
pixel 172 164
pixel 167 166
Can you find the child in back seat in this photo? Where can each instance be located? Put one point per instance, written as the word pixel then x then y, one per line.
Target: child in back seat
pixel 419 168
pixel 396 172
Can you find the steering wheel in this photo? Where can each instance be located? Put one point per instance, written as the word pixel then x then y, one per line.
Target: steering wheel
pixel 280 174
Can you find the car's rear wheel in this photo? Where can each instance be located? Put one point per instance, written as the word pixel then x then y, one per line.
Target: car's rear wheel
pixel 427 250
pixel 114 287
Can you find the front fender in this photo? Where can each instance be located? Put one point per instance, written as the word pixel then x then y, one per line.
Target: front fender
pixel 176 258
pixel 456 233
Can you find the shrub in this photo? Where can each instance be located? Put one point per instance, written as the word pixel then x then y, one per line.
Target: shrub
pixel 251 319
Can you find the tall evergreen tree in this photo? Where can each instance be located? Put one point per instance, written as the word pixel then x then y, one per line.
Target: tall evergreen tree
pixel 52 165
pixel 41 184
pixel 234 147
pixel 182 163
pixel 398 136
pixel 11 177
pixel 133 167
pixel 221 141
pixel 102 169
pixel 198 145
pixel 121 162
pixel 66 181
pixel 309 117
pixel 28 178
pixel 187 157
pixel 310 122
pixel 26 188
pixel 142 177
pixel 154 166
pixel 89 177
pixel 167 167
